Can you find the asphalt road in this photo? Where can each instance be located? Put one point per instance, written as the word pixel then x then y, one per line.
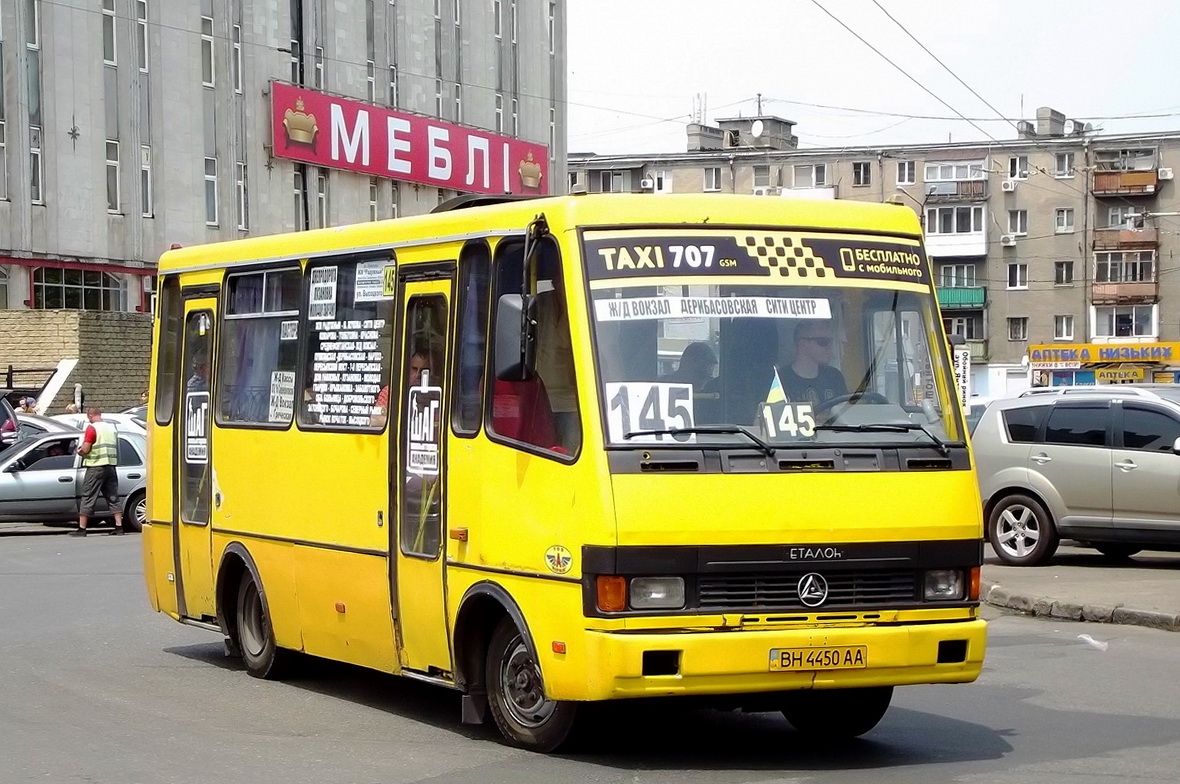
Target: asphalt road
pixel 94 687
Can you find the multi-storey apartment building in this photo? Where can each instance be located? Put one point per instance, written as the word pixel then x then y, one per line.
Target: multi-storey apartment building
pixel 1050 249
pixel 127 126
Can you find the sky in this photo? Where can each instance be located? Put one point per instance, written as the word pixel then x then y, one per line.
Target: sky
pixel 638 69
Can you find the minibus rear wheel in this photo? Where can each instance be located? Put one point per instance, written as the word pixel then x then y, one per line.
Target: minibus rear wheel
pixel 255 633
pixel 835 714
pixel 516 694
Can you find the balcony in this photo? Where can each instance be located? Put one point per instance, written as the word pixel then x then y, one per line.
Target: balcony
pixel 1124 293
pixel 957 244
pixel 950 298
pixel 978 350
pixel 956 190
pixel 1125 183
pixel 1119 238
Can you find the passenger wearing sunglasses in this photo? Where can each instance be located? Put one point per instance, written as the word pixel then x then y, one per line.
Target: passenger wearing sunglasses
pixel 810 378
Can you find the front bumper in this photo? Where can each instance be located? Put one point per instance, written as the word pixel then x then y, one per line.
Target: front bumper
pixel 738 661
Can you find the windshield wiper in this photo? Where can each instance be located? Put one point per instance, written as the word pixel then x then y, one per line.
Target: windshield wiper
pixel 890 427
pixel 725 429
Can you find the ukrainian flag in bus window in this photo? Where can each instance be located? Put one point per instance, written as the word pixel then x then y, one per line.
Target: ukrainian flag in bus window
pixel 776 394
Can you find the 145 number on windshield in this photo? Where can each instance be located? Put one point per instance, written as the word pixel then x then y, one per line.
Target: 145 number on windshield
pixel 639 406
pixel 788 419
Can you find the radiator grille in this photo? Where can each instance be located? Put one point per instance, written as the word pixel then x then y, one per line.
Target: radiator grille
pixel 780 590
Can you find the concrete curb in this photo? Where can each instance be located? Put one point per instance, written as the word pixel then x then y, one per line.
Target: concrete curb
pixel 998 596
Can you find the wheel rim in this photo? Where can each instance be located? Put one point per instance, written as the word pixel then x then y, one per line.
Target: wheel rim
pixel 139 510
pixel 522 689
pixel 253 634
pixel 1019 531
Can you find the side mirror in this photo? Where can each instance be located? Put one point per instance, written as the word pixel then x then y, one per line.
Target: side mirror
pixel 515 339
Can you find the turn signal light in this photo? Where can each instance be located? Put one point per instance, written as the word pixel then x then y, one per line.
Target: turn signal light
pixel 612 593
pixel 973 595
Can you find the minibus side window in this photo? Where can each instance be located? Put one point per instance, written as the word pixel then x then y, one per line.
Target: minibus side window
pixel 167 356
pixel 542 411
pixel 345 358
pixel 259 347
pixel 474 278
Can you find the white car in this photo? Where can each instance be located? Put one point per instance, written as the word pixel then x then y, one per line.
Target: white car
pixel 122 422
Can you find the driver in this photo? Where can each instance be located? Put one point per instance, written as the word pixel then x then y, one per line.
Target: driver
pixel 810 378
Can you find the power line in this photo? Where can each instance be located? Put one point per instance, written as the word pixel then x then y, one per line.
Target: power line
pixel 904 73
pixel 944 65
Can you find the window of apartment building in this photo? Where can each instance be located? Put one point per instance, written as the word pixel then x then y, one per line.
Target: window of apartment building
pixel 552 25
pixel 321 197
pixel 712 178
pixel 36 172
pixel 458 96
pixel 810 175
pixel 1018 276
pixel 1018 167
pixel 1018 328
pixel 1124 160
pixel 956 276
pixel 393 86
pixel 966 219
pixel 1063 273
pixel 319 68
pixel 208 72
pixel 374 189
pixel 512 19
pixel 141 38
pixel 1063 220
pixel 862 173
pixel 145 181
pixel 499 113
pixel 395 200
pixel 296 62
pixel 907 172
pixel 498 18
pixel 761 176
pixel 75 289
pixel 1018 222
pixel 1119 216
pixel 3 288
pixel 210 191
pixel 552 133
pixel 1124 266
pixel 112 176
pixel 300 192
pixel 3 150
pixel 953 172
pixel 242 185
pixel 515 118
pixel 235 63
pixel 108 32
pixel 611 181
pixel 1125 321
pixel 438 98
pixel 1063 164
pixel 1063 327
pixel 969 326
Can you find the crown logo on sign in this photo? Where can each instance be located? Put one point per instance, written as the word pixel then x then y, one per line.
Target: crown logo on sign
pixel 300 126
pixel 530 173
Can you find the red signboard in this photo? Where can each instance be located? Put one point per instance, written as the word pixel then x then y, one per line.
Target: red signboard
pixel 324 130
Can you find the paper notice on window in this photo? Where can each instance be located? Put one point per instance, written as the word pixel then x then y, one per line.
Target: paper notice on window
pixel 321 303
pixel 640 308
pixel 282 396
pixel 370 280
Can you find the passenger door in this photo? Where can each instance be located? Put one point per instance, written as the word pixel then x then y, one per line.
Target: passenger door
pixel 193 456
pixel 420 480
pixel 1073 460
pixel 1146 475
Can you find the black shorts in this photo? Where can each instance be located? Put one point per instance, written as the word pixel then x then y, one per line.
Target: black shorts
pixel 100 481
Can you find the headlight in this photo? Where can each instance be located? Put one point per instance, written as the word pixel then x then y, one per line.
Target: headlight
pixel 650 593
pixel 944 584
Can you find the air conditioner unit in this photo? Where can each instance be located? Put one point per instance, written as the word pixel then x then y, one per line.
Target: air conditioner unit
pixel 647 183
pixel 762 191
pixel 1165 174
pixel 1008 240
pixel 1008 186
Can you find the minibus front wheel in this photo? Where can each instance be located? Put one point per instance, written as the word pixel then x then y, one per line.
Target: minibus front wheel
pixel 516 694
pixel 835 714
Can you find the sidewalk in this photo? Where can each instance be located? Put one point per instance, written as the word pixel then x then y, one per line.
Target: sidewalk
pixel 39 529
pixel 1080 584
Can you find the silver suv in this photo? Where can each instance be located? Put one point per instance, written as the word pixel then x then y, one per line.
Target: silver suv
pixel 1103 469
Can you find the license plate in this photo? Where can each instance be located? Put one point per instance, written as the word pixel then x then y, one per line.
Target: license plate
pixel 827 657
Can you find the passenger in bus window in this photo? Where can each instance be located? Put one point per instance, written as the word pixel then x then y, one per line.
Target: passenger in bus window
pixel 810 378
pixel 419 362
pixel 697 366
pixel 198 380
